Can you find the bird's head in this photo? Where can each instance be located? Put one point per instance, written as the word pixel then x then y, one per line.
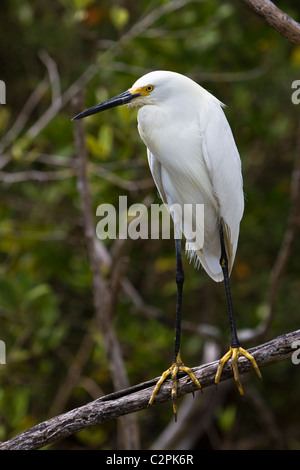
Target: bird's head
pixel 152 88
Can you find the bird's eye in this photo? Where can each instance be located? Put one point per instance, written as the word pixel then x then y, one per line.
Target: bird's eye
pixel 149 88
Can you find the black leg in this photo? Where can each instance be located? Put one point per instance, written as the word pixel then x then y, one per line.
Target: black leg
pixel 179 282
pixel 235 349
pixel 224 264
pixel 177 365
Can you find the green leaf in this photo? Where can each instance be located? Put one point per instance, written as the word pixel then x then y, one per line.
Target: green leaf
pixel 119 16
pixel 226 418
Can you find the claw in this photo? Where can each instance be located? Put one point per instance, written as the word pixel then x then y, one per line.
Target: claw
pixel 173 371
pixel 234 354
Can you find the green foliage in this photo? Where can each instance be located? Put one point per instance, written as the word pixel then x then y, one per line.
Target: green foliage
pixel 46 304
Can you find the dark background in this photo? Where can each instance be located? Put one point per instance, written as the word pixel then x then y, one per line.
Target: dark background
pixel 46 296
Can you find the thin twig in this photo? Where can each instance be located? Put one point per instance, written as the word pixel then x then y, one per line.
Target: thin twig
pixel 73 375
pixel 53 73
pixel 35 175
pixel 24 115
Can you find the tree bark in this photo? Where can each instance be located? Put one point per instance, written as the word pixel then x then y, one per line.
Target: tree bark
pixel 276 18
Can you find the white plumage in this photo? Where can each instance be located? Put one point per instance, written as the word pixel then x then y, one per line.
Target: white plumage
pixel 193 159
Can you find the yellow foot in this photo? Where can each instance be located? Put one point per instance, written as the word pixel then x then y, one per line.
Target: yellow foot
pixel 173 371
pixel 234 354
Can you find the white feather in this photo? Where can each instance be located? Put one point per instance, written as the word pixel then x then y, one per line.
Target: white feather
pixel 194 160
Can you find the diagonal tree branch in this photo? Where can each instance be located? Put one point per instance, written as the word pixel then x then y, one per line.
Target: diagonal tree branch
pixel 276 18
pixel 136 398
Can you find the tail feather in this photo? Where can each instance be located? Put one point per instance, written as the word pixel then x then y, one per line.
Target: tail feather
pixel 209 256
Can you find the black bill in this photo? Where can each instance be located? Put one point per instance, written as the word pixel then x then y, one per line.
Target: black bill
pixel 123 98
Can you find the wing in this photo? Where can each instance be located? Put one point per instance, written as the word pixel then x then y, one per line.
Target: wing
pixel 209 173
pixel 155 168
pixel 185 188
pixel 224 166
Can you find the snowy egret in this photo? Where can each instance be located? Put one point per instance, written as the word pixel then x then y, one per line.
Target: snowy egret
pixel 194 160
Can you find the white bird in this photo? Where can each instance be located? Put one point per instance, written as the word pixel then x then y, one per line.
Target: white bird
pixel 194 160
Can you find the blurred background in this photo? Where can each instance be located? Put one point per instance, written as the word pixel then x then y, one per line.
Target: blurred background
pixel 56 353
